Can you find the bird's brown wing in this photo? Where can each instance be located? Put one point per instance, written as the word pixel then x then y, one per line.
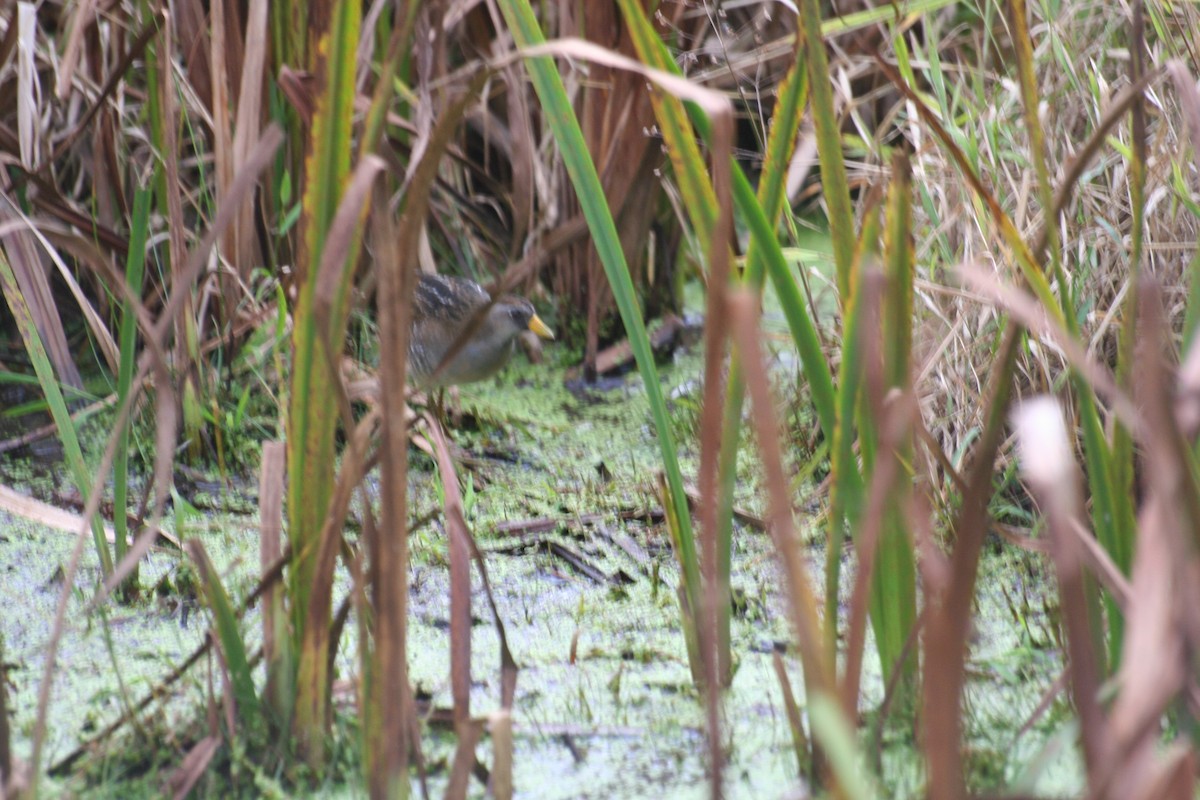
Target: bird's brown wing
pixel 447 299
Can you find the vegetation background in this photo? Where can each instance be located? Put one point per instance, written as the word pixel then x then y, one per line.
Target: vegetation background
pixel 972 227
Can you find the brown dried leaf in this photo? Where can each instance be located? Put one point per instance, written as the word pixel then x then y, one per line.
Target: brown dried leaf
pixel 184 778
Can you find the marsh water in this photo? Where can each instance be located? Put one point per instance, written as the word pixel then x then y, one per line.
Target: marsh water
pixel 561 501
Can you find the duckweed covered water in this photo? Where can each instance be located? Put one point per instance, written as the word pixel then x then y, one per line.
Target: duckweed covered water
pixel 605 706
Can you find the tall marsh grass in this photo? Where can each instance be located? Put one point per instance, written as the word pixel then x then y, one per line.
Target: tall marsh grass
pixel 1007 220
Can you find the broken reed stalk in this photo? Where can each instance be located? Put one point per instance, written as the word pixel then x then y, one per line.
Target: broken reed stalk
pixel 458 542
pixel 462 549
pixel 743 314
pixel 713 619
pixel 795 720
pixel 274 615
pixel 388 708
pixel 500 727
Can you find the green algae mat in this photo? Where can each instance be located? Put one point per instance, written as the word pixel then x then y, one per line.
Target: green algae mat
pixel 562 502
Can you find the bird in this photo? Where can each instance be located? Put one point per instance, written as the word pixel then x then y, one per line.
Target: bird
pixel 446 309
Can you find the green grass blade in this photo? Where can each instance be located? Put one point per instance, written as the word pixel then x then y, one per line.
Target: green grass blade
pixel 1101 469
pixel 846 487
pixel 780 145
pixel 894 590
pixel 1108 479
pixel 134 271
pixel 565 126
pixel 795 308
pixel 695 187
pixel 1124 523
pixel 845 23
pixel 762 237
pixel 312 417
pixel 835 185
pixel 72 452
pixel 229 636
pixel 835 734
pixel 1191 320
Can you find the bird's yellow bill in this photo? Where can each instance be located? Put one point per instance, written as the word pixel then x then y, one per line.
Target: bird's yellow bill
pixel 540 328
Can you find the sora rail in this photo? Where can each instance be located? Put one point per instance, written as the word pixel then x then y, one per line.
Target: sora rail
pixel 444 308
